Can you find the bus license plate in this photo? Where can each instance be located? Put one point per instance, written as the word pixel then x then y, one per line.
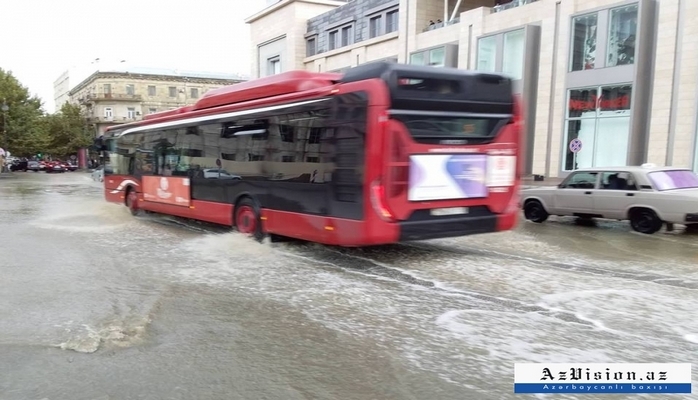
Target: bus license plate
pixel 449 211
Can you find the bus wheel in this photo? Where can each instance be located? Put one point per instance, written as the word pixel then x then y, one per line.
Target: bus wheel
pixel 247 219
pixel 132 201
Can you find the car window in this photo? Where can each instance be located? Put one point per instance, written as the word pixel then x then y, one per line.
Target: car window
pixel 618 181
pixel 580 180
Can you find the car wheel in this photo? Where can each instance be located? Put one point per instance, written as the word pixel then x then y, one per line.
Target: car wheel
pixel 534 211
pixel 645 221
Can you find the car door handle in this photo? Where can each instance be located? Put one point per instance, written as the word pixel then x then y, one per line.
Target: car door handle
pixel 587 192
pixel 630 194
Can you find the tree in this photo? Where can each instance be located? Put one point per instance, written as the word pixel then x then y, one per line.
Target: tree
pixel 22 121
pixel 67 131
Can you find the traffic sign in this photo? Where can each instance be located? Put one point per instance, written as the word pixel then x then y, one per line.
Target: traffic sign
pixel 575 145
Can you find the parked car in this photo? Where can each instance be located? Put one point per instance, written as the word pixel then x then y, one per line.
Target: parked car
pixel 34 166
pixel 217 173
pixel 54 167
pixel 19 165
pixel 647 196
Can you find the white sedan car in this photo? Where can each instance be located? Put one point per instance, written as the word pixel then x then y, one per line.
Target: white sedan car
pixel 647 196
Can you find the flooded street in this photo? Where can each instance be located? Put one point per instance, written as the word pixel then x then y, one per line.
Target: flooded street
pixel 96 304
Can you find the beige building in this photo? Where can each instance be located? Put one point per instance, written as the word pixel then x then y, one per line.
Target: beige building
pixel 111 98
pixel 620 76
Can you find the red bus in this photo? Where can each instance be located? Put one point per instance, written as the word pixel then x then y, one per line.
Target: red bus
pixel 382 153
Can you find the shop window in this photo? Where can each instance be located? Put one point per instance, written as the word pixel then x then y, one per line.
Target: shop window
pixel 600 118
pixel 513 57
pixel 621 36
pixel 584 42
pixel 487 54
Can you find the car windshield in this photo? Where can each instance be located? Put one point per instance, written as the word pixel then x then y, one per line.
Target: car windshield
pixel 671 180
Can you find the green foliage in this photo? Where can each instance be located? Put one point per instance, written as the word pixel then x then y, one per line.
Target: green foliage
pixel 28 131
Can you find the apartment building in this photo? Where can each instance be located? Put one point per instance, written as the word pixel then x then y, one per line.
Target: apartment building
pixel 117 97
pixel 619 75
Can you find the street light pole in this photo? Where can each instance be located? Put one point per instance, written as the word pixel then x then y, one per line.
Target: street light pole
pixel 5 108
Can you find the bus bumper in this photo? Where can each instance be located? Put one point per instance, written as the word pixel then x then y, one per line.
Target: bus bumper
pixel 457 226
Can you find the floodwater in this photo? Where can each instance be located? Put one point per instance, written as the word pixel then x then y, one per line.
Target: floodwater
pixel 96 304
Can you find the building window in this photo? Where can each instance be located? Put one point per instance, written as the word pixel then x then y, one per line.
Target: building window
pixel 130 90
pixel 333 40
pixel 173 91
pixel 600 118
pixel 417 58
pixel 152 110
pixel 107 88
pixel 513 55
pixel 152 91
pixel 374 26
pixel 108 113
pixel 487 54
pixel 131 113
pixel 435 57
pixel 310 159
pixel 288 159
pixel 391 21
pixel 194 93
pixel 584 42
pixel 273 66
pixel 621 36
pixel 311 47
pixel 347 38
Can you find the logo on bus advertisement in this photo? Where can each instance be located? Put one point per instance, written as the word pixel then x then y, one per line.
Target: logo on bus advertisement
pixel 168 190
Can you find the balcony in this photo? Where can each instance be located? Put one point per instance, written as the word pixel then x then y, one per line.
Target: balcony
pixel 440 24
pixel 96 97
pixel 510 5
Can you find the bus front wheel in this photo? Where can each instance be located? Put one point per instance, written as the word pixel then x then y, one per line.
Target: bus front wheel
pixel 132 201
pixel 248 219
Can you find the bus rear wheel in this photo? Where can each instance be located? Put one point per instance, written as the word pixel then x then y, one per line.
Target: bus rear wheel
pixel 248 220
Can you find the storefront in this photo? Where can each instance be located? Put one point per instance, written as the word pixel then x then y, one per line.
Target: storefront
pixel 600 118
pixel 608 87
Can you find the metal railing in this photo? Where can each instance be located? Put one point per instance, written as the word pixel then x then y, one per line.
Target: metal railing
pixel 513 4
pixel 437 25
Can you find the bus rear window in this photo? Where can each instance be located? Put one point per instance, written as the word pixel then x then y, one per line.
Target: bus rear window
pixel 433 129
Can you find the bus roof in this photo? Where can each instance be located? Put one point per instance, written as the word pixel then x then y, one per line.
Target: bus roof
pixel 465 90
pixel 270 86
pixel 274 85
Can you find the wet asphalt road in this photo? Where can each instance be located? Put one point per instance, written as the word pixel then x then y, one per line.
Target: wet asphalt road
pixel 96 304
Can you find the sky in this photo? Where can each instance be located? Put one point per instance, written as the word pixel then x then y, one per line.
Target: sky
pixel 41 39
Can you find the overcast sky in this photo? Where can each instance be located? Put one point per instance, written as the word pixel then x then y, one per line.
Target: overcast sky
pixel 41 39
